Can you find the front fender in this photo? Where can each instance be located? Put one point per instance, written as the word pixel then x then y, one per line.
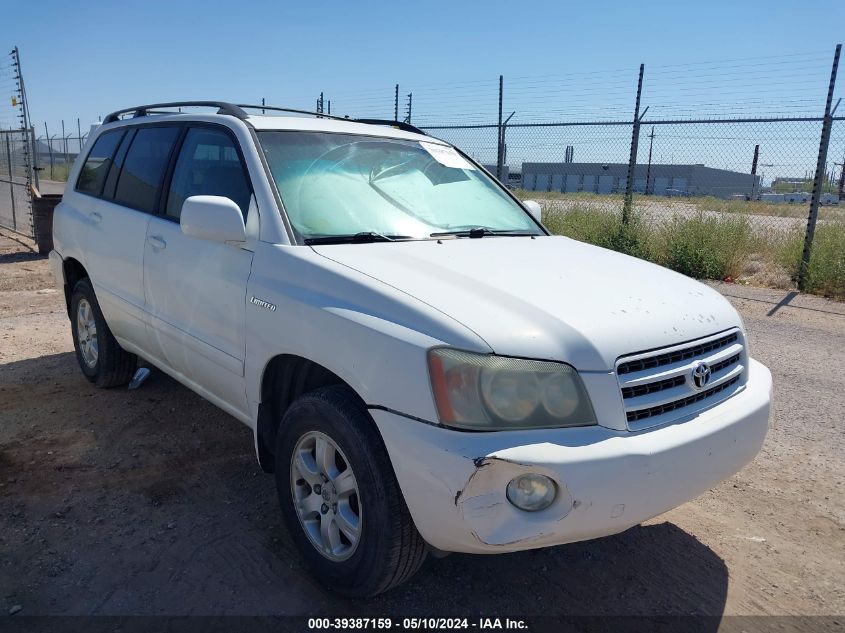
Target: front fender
pixel 372 335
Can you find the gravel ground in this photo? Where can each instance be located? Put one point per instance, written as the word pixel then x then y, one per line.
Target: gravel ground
pixel 151 502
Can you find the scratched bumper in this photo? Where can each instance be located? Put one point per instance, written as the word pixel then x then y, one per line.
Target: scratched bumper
pixel 608 481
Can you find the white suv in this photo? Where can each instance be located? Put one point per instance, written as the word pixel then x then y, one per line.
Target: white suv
pixel 424 367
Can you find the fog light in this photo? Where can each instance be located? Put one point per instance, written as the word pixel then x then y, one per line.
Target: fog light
pixel 531 492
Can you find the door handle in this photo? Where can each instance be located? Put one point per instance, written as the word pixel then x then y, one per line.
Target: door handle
pixel 157 242
pixel 96 216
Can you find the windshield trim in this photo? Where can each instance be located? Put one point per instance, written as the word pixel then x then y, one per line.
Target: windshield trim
pixel 298 240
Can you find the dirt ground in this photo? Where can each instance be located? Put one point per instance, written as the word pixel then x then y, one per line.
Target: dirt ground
pixel 151 502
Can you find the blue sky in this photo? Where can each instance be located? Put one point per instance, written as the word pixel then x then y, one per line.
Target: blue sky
pixel 561 60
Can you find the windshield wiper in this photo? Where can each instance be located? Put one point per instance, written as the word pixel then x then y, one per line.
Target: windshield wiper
pixel 365 237
pixel 481 231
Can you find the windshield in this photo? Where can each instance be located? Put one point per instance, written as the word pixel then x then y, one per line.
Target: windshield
pixel 351 185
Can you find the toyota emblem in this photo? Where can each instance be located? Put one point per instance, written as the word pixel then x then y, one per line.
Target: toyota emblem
pixel 700 375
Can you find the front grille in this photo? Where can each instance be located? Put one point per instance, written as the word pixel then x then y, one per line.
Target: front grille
pixel 657 386
pixel 673 357
pixel 641 414
pixel 641 390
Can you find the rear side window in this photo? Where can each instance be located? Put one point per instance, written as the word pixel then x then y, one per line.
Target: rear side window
pixel 144 167
pixel 208 165
pixel 98 163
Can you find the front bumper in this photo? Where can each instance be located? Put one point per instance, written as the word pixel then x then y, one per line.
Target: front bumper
pixel 608 481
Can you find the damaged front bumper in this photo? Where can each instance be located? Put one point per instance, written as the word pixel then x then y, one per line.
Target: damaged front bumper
pixel 454 482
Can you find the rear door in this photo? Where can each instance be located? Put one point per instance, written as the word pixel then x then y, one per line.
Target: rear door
pixel 125 195
pixel 196 289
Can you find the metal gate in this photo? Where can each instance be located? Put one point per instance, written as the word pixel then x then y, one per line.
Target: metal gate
pixel 16 169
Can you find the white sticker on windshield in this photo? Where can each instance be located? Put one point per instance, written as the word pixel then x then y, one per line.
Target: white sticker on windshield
pixel 446 156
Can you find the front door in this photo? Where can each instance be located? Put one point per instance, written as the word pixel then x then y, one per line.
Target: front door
pixel 196 289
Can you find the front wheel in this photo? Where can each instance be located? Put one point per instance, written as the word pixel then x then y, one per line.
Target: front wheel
pixel 339 496
pixel 101 358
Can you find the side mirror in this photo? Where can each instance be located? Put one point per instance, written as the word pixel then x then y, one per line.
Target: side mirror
pixel 212 218
pixel 535 209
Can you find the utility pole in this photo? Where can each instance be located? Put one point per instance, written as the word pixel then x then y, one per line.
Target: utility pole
pixel 396 104
pixel 841 178
pixel 410 104
pixel 648 170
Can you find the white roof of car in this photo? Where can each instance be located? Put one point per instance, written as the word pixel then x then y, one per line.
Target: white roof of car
pixel 274 122
pixel 312 124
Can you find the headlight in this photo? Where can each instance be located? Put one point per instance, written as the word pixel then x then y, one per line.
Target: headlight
pixel 482 391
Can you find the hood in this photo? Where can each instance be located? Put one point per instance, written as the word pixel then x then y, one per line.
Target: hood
pixel 549 298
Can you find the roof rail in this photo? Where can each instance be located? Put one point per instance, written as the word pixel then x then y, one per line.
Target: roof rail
pixel 237 110
pixel 295 111
pixel 399 125
pixel 143 110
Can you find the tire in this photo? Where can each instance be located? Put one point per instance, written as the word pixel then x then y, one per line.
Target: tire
pixel 109 365
pixel 389 550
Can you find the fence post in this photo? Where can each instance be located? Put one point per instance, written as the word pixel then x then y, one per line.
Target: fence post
pixel 35 167
pixel 64 141
pixel 632 161
pixel 499 159
pixel 500 167
pixel 818 182
pixel 11 183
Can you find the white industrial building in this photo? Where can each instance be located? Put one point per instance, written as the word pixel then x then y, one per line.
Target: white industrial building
pixel 663 180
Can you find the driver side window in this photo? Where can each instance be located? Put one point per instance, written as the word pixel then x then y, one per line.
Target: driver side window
pixel 208 165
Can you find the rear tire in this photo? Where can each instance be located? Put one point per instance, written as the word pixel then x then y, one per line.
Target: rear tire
pixel 101 358
pixel 375 545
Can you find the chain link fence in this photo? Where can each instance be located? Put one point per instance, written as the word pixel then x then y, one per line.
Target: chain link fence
pixel 15 174
pixel 755 199
pixel 724 199
pixel 16 150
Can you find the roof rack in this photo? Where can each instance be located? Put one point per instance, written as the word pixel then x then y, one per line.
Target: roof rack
pixel 222 108
pixel 399 125
pixel 238 110
pixel 295 111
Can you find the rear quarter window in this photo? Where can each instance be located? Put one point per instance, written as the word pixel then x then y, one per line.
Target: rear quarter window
pixel 97 164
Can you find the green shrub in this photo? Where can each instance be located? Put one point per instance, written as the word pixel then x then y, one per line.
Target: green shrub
pixel 705 246
pixel 57 172
pixel 600 228
pixel 709 245
pixel 826 273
